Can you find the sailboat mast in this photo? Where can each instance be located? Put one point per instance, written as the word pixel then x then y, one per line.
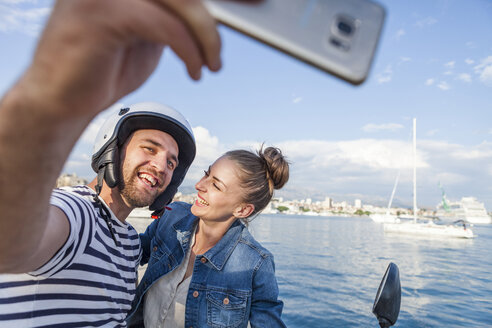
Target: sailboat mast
pixel 388 209
pixel 415 170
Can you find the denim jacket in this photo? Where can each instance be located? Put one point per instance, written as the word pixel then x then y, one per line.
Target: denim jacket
pixel 232 283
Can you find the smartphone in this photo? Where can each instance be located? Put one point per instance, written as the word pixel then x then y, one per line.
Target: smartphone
pixel 337 36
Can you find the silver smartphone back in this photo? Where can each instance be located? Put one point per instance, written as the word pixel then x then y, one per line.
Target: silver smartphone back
pixel 337 36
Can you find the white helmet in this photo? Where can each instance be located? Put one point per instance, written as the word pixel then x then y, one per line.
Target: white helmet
pixel 118 127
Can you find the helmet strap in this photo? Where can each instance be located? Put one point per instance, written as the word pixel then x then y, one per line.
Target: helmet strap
pixel 100 178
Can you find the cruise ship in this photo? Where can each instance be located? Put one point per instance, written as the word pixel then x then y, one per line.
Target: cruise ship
pixel 468 208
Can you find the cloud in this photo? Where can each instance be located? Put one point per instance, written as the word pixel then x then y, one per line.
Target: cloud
pixel 297 100
pixel 430 81
pixel 404 60
pixel 450 64
pixel 16 2
pixel 484 70
pixel 322 168
pixel 400 33
pixel 385 76
pixel 469 61
pixel 79 163
pixel 382 127
pixel 431 133
pixel 90 133
pixel 482 151
pixel 14 17
pixel 464 77
pixel 428 21
pixel 208 149
pixel 368 153
pixel 444 86
pixel 451 178
pixel 208 146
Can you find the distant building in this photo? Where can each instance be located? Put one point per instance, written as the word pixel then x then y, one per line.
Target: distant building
pixel 327 203
pixel 65 180
pixel 358 203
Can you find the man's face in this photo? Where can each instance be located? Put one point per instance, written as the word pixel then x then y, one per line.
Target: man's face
pixel 148 159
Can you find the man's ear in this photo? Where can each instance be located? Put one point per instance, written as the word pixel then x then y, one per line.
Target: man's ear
pixel 244 210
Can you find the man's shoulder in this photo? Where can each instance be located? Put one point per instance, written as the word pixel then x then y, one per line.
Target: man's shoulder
pixel 79 191
pixel 74 199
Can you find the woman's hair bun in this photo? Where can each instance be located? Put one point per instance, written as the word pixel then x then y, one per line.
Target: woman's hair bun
pixel 277 166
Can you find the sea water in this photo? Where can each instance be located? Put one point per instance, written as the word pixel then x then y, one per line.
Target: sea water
pixel 329 269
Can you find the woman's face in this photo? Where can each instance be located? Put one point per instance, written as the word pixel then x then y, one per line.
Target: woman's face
pixel 220 196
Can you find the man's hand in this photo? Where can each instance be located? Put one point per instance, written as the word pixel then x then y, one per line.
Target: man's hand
pixel 91 53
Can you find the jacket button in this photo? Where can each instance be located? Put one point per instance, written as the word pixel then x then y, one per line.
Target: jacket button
pixel 226 301
pixel 195 294
pixel 203 260
pixel 154 249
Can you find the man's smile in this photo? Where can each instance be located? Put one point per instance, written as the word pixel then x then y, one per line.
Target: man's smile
pixel 148 179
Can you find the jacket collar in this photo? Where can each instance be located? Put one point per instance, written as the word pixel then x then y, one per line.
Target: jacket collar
pixel 218 254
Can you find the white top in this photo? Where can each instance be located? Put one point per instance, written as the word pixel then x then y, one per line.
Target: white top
pixel 165 301
pixel 90 281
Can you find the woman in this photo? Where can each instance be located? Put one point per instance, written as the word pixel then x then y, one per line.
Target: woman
pixel 204 267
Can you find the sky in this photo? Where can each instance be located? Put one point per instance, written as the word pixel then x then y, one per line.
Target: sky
pixel 433 63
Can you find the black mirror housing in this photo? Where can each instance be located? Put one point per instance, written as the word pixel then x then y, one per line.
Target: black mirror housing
pixel 388 298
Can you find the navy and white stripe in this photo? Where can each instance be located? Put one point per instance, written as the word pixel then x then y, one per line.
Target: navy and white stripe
pixel 89 282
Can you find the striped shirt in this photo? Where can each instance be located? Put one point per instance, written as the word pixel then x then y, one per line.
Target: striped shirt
pixel 89 282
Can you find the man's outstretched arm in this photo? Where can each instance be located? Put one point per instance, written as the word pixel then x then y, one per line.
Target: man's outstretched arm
pixel 91 53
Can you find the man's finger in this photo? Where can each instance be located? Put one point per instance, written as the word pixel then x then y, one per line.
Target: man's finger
pixel 153 23
pixel 202 26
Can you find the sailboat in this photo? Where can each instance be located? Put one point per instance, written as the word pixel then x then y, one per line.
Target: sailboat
pixel 387 217
pixel 427 227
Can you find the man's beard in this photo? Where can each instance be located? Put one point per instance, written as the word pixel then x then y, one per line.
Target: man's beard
pixel 129 192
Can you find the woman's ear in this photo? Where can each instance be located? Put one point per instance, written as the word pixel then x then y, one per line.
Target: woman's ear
pixel 244 210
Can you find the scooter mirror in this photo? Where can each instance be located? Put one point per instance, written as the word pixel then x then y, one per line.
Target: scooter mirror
pixel 387 303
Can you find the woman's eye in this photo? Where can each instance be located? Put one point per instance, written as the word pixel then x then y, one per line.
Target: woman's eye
pixel 206 173
pixel 216 187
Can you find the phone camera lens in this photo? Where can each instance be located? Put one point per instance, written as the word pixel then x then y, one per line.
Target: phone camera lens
pixel 345 28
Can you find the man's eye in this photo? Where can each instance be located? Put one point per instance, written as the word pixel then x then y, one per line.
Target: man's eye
pixel 170 164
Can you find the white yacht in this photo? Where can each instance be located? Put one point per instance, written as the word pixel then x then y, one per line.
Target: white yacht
pixel 468 208
pixel 457 230
pixel 426 227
